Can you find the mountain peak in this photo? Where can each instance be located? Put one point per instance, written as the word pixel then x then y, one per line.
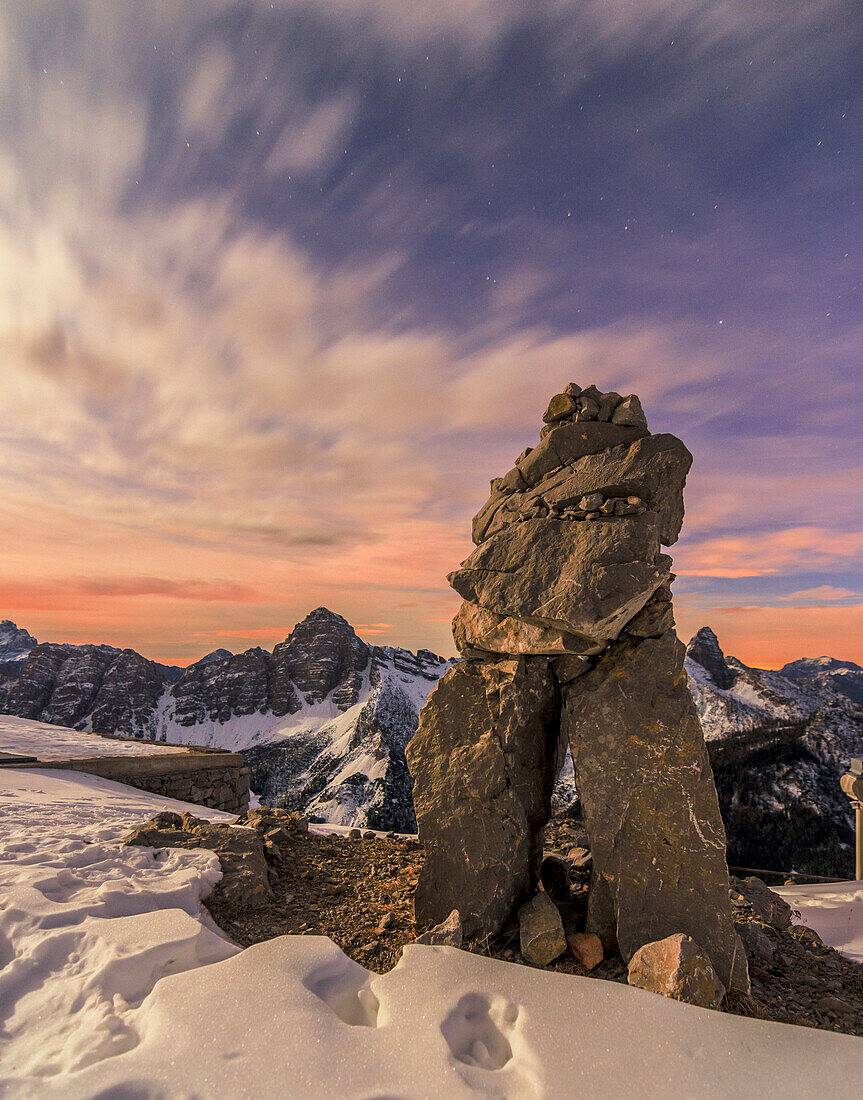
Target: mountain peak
pixel 705 650
pixel 210 658
pixel 321 654
pixel 15 641
pixel 324 615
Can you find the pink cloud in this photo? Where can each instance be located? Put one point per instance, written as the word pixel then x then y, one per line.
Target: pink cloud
pixel 756 555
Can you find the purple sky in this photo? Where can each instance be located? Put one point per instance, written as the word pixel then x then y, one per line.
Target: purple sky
pixel 282 285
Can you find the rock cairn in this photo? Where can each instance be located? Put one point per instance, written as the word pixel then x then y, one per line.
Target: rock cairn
pixel 568 633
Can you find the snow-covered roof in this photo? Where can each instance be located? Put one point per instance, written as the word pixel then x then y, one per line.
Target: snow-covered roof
pixel 25 737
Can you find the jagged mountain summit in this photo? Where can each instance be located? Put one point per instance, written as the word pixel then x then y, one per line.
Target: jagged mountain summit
pixel 779 741
pixel 820 673
pixel 731 696
pixel 15 644
pixel 323 719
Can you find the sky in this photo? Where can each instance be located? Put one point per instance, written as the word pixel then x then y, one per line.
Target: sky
pixel 283 285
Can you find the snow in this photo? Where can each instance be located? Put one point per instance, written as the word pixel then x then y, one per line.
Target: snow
pixel 242 731
pixel 834 910
pixel 113 984
pixel 49 742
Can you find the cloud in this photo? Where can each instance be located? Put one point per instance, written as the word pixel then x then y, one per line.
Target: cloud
pixel 824 592
pixel 73 591
pixel 312 143
pixel 192 373
pixel 794 549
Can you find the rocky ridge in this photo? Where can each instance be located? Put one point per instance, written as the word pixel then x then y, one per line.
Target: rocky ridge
pixel 15 644
pixel 820 674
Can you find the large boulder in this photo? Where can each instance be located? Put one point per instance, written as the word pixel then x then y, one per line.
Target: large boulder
pixel 244 882
pixel 476 628
pixel 540 931
pixel 650 806
pixel 767 905
pixel 484 760
pixel 676 967
pixel 569 442
pixel 584 580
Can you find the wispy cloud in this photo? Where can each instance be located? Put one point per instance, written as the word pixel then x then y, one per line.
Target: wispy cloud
pixel 282 286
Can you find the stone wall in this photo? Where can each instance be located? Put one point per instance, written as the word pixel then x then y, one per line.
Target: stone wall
pixel 219 780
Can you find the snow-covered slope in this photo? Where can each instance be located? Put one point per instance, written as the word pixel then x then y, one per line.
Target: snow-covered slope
pixel 48 741
pixel 113 984
pixel 732 696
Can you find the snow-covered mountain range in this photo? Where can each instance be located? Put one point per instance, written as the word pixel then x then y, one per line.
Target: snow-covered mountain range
pixel 323 720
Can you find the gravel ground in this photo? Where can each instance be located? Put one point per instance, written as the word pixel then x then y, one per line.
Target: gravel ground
pixel 359 891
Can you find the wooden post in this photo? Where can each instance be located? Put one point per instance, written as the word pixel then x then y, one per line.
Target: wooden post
pixel 858 823
pixel 852 785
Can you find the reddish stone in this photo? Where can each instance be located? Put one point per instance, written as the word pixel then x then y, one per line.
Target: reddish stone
pixel 585 948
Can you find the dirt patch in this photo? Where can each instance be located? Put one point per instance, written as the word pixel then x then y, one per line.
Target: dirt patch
pixel 357 891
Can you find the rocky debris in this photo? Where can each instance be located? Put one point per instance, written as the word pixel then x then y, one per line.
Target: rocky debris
pixel 541 931
pixel 630 413
pixel 448 933
pixel 650 807
pixel 757 945
pixel 245 880
pixel 268 819
pixel 677 967
pixel 484 760
pixel 704 649
pixel 580 862
pixel 569 575
pixel 586 949
pixel 769 907
pixel 357 892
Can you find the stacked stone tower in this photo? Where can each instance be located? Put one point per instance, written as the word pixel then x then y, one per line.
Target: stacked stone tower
pixel 568 633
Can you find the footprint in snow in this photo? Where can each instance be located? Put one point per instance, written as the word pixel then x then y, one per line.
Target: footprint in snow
pixel 490 1053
